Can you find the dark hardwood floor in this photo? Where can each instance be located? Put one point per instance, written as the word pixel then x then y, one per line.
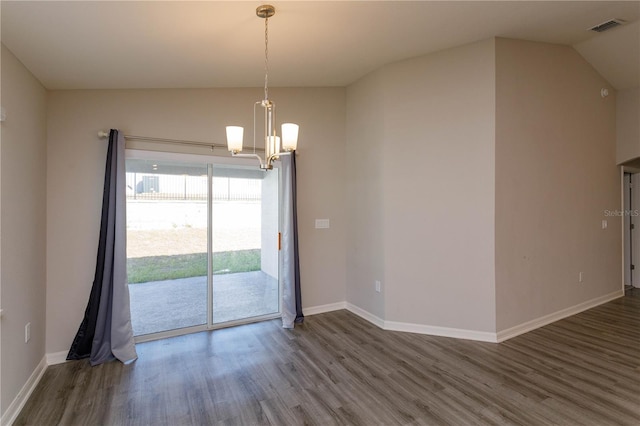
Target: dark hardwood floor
pixel 339 369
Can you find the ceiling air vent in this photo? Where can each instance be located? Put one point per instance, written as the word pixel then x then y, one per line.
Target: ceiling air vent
pixel 611 23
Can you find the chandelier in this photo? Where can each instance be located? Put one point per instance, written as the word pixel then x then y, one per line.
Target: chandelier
pixel 273 145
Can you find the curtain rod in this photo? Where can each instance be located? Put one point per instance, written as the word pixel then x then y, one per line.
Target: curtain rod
pixel 104 134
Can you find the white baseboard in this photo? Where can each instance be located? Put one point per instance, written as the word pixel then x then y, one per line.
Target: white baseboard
pixel 555 316
pixel 21 398
pixel 431 330
pixel 56 358
pixel 482 336
pixel 321 309
pixel 420 328
pixel 314 310
pixel 377 321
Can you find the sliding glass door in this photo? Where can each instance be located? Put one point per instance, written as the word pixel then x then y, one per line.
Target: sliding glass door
pixel 166 245
pixel 245 243
pixel 202 244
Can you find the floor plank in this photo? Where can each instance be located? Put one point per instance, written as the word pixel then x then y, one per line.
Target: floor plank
pixel 337 369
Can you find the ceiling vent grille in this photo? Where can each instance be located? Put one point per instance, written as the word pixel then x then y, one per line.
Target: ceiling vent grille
pixel 612 23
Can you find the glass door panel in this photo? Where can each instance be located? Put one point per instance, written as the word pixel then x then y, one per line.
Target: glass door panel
pixel 166 244
pixel 245 243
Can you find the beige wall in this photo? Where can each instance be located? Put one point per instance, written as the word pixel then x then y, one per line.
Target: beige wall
pixel 420 145
pixel 439 189
pixel 76 166
pixel 23 219
pixel 478 178
pixel 628 125
pixel 365 198
pixel 555 175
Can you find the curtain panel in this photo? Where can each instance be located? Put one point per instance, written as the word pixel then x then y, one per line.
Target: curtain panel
pixel 291 297
pixel 105 333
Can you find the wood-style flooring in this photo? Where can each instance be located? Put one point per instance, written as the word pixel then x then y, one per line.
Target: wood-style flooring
pixel 339 369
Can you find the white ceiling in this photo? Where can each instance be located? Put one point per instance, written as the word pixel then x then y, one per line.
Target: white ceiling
pixel 184 44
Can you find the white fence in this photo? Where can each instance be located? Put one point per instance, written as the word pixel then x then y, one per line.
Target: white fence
pixel 143 186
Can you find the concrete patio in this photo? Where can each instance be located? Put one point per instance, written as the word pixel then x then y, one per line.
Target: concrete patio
pixel 167 305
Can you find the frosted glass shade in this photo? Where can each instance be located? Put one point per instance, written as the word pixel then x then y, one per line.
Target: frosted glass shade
pixel 274 144
pixel 289 136
pixel 234 138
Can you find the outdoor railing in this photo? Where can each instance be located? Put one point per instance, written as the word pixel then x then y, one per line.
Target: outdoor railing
pixel 193 188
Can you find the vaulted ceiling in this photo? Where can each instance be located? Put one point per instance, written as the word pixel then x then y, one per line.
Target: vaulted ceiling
pixel 197 44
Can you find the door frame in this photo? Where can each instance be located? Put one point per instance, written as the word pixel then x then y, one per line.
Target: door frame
pixel 629 213
pixel 210 161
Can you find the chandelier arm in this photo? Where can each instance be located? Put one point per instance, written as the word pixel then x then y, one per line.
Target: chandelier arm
pixel 262 164
pixel 277 156
pixel 270 160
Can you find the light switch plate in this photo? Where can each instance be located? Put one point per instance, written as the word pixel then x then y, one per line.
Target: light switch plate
pixel 322 223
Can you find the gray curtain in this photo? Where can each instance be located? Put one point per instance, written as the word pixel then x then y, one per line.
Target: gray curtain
pixel 291 298
pixel 105 333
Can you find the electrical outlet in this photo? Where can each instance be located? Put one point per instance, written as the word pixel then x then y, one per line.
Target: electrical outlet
pixel 378 286
pixel 27 332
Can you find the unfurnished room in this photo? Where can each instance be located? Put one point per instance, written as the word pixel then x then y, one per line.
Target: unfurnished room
pixel 319 212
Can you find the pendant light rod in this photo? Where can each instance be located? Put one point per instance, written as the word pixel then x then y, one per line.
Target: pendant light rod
pixel 266 11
